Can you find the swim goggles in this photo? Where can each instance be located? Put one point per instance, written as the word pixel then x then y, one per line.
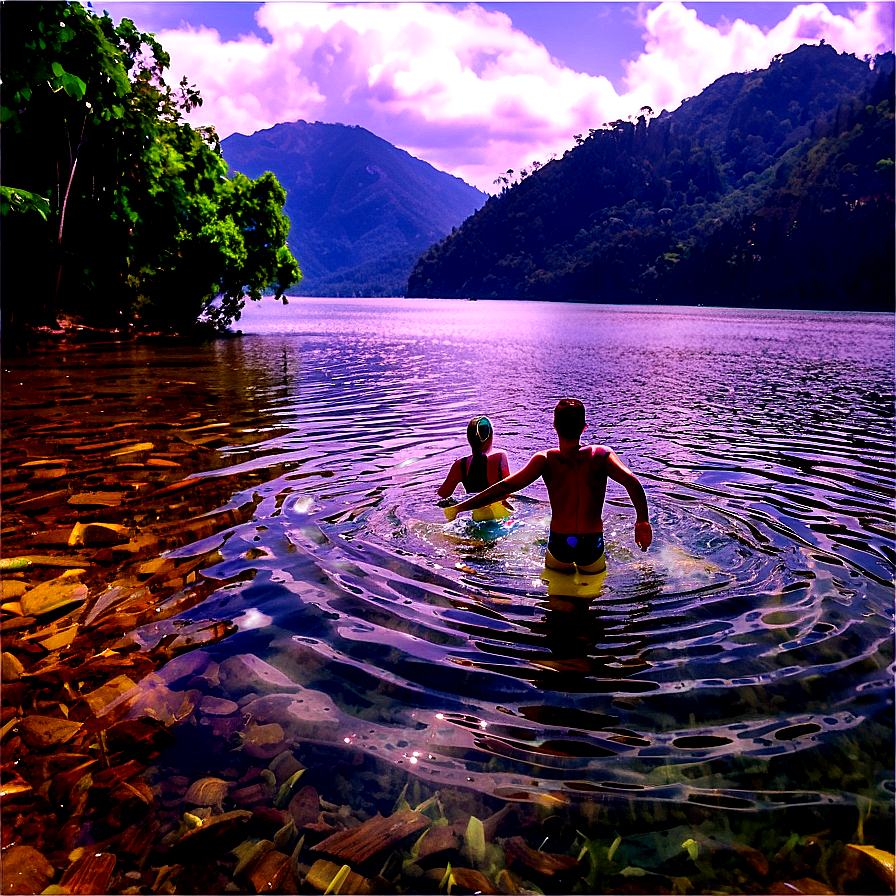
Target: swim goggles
pixel 483 429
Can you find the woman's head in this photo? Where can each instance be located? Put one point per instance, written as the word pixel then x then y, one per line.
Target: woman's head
pixel 480 434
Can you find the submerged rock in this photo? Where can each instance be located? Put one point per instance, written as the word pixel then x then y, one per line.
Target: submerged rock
pixel 24 870
pixel 247 673
pixel 207 792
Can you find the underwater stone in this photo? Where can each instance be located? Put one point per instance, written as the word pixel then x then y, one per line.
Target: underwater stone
pixel 304 807
pixel 251 793
pixel 284 766
pixel 207 792
pixel 245 673
pixel 312 715
pixel 183 667
pixel 24 870
pixel 93 534
pixel 217 706
pixel 263 741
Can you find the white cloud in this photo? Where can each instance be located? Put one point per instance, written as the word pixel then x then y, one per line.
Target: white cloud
pixel 459 86
pixel 683 55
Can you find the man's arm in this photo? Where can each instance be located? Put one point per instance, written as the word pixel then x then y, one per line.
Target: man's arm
pixel 501 489
pixel 452 480
pixel 617 470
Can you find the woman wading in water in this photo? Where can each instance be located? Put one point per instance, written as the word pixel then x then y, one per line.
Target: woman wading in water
pixel 483 468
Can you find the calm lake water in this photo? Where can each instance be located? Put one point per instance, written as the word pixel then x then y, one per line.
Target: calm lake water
pixel 745 662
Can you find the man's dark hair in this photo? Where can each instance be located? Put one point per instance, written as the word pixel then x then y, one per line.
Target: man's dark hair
pixel 569 418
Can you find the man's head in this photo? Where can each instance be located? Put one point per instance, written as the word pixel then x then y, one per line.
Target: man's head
pixel 480 433
pixel 569 418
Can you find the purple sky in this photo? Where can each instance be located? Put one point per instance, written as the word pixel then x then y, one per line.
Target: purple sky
pixel 475 89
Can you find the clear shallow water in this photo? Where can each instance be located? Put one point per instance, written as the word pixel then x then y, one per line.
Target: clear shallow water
pixel 738 663
pixel 745 662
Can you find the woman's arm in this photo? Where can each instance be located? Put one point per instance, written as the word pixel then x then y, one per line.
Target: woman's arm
pixel 452 480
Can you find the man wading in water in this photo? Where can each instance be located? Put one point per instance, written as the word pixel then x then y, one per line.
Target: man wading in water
pixel 576 477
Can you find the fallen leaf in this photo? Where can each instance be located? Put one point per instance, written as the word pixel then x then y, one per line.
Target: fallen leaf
pixel 97 499
pixel 53 595
pixel 62 638
pixel 47 731
pixel 882 863
pixel 11 667
pixel 100 698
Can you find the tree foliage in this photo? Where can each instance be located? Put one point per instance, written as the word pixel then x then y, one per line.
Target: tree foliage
pixel 115 209
pixel 771 188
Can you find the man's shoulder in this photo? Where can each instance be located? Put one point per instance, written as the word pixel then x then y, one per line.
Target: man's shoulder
pixel 599 453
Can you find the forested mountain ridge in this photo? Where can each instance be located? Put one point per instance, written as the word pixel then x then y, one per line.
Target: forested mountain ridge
pixel 361 210
pixel 772 188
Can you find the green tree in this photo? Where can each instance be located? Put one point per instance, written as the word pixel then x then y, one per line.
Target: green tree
pixel 126 208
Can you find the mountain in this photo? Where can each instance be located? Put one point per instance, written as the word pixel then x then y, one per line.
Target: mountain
pixel 361 210
pixel 772 188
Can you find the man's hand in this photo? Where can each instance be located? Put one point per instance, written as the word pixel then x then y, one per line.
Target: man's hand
pixel 643 535
pixel 450 512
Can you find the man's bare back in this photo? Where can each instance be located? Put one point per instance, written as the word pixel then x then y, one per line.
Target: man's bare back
pixel 576 478
pixel 577 484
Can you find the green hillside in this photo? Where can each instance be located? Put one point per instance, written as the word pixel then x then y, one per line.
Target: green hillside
pixel 361 210
pixel 772 188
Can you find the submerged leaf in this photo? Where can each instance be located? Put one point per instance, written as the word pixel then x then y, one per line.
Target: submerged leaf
pixel 287 789
pixel 474 841
pixel 11 564
pixel 614 846
pixel 323 873
pixel 11 667
pixel 59 639
pixel 53 595
pixel 248 853
pixel 133 449
pixel 882 863
pixel 338 880
pixel 46 731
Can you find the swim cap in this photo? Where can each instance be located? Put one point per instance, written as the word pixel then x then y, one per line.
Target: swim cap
pixel 480 430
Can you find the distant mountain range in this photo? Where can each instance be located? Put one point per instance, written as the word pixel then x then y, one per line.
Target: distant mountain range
pixel 771 188
pixel 361 210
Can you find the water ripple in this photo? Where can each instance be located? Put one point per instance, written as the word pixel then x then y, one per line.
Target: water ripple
pixel 756 632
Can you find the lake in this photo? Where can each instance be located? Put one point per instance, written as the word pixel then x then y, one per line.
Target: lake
pixel 739 674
